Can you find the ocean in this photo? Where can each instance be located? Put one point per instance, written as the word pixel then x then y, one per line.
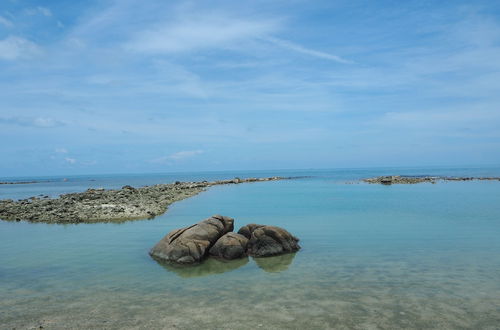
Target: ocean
pixel 424 256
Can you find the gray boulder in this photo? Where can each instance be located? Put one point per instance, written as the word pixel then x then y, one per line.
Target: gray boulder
pixel 230 246
pixel 191 244
pixel 267 241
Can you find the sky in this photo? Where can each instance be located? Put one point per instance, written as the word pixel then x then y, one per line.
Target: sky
pixel 131 86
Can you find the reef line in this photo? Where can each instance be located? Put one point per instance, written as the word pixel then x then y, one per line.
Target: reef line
pixel 101 205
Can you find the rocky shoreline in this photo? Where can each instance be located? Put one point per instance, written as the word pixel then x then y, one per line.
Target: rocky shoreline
pixel 100 205
pixel 398 179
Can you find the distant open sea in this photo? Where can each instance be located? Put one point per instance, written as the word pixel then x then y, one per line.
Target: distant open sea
pixel 424 256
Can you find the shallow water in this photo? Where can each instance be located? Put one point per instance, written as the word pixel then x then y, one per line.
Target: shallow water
pixel 402 256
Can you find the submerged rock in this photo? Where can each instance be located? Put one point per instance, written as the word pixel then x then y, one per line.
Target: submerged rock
pixel 230 246
pixel 275 264
pixel 191 244
pixel 267 241
pixel 210 266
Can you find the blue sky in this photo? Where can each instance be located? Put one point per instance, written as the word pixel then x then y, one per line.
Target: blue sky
pixel 159 86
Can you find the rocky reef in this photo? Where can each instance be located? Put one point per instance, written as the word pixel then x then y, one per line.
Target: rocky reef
pixel 21 182
pixel 100 205
pixel 398 179
pixel 215 237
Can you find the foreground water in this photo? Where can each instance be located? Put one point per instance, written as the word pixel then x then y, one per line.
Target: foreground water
pixel 402 256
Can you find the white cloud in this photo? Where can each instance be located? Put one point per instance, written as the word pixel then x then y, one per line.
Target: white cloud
pixel 178 156
pixel 44 11
pixel 70 160
pixel 75 43
pixel 45 122
pixel 300 49
pixel 42 122
pixel 12 48
pixel 39 11
pixel 61 150
pixel 198 33
pixel 185 154
pixel 5 22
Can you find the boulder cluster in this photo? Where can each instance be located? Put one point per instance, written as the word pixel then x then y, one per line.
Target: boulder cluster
pixel 215 237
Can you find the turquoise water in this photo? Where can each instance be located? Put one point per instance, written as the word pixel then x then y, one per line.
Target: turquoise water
pixel 373 256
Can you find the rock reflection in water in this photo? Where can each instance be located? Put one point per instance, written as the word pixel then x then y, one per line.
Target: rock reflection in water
pixel 210 266
pixel 275 264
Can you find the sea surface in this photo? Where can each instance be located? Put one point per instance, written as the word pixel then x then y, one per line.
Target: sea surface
pixel 424 256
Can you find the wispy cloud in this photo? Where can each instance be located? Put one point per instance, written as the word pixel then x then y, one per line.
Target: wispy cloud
pixel 71 161
pixel 443 119
pixel 41 122
pixel 39 11
pixel 198 33
pixel 5 22
pixel 185 154
pixel 12 48
pixel 271 85
pixel 307 51
pixel 44 11
pixel 178 156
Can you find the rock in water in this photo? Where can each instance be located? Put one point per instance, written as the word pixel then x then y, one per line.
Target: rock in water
pixel 190 245
pixel 267 241
pixel 230 246
pixel 248 229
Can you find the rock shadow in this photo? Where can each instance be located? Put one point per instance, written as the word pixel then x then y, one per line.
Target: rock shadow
pixel 275 264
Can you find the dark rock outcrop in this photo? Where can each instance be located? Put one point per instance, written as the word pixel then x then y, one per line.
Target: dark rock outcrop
pixel 230 246
pixel 267 241
pixel 191 244
pixel 398 179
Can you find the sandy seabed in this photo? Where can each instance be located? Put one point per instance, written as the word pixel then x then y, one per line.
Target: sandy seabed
pixel 391 294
